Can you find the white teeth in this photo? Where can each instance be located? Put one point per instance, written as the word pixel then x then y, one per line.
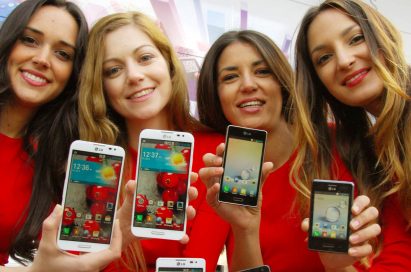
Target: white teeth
pixel 355 77
pixel 251 103
pixel 34 78
pixel 142 93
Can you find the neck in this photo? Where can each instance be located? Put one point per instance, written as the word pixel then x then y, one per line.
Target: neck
pixel 14 119
pixel 279 145
pixel 375 107
pixel 135 126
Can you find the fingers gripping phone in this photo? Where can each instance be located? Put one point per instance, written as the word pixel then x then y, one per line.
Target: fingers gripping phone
pixel 243 160
pixel 163 171
pixel 330 215
pixel 180 265
pixel 90 196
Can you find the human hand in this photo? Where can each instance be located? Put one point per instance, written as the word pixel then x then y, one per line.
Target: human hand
pixel 125 212
pixel 243 218
pixel 363 229
pixel 51 258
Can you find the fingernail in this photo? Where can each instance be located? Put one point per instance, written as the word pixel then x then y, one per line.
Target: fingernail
pixel 56 211
pixel 354 238
pixel 355 209
pixel 355 224
pixel 352 251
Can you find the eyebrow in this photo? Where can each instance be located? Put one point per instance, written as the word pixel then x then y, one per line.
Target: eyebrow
pixel 343 33
pixel 41 33
pixel 233 68
pixel 134 51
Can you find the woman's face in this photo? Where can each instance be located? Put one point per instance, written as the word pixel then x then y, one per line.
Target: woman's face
pixel 136 75
pixel 41 61
pixel 342 60
pixel 249 94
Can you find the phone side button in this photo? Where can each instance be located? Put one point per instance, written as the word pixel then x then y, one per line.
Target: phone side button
pixel 84 246
pixel 157 232
pixel 237 199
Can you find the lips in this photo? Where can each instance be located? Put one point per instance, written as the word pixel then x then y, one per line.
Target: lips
pixel 355 78
pixel 251 103
pixel 141 93
pixel 33 78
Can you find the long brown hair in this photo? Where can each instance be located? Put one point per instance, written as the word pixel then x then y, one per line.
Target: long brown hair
pixel 378 155
pixel 98 121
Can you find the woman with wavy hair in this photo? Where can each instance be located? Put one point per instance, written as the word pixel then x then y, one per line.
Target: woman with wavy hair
pixel 41 52
pixel 246 80
pixel 133 80
pixel 351 70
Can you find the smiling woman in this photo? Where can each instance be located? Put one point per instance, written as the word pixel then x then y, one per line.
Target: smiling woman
pixel 350 65
pixel 39 68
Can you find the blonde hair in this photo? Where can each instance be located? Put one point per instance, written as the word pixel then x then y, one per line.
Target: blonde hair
pixel 378 155
pixel 100 123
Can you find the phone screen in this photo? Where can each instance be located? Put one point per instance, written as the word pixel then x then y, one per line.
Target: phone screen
pixel 162 180
pixel 243 158
pixel 330 215
pixel 91 197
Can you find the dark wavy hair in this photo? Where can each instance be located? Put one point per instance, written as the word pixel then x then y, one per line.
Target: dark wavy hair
pixel 52 129
pixel 208 102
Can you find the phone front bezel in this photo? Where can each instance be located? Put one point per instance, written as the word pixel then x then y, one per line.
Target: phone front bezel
pixel 91 147
pixel 246 133
pixel 163 135
pixel 330 244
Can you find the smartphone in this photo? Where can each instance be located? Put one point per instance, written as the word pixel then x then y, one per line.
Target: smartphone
pixel 330 215
pixel 90 196
pixel 243 159
pixel 180 265
pixel 163 171
pixel 263 268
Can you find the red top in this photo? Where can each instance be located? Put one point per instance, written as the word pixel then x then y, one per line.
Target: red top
pixel 16 186
pixel 207 231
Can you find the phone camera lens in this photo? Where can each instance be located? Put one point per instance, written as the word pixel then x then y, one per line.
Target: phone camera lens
pixel 109 148
pixel 96 148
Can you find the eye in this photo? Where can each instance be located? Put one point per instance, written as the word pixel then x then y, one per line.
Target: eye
pixel 357 39
pixel 146 57
pixel 112 71
pixel 61 54
pixel 27 40
pixel 323 59
pixel 263 71
pixel 229 77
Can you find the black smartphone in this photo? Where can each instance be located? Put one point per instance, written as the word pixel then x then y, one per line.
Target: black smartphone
pixel 330 215
pixel 243 159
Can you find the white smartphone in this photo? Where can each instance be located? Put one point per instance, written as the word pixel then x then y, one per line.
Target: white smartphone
pixel 90 196
pixel 180 265
pixel 163 171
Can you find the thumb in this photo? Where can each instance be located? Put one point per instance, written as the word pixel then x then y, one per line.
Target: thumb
pixel 51 226
pixel 129 195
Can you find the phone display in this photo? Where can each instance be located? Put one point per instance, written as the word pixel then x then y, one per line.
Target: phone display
pixel 90 196
pixel 331 203
pixel 243 159
pixel 180 265
pixel 163 168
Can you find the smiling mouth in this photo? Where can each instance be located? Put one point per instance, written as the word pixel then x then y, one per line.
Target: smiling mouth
pixel 254 103
pixel 142 93
pixel 34 78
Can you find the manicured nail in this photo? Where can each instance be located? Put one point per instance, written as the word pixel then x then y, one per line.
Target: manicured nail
pixel 352 252
pixel 356 209
pixel 355 224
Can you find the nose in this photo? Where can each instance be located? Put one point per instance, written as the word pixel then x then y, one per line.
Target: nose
pixel 345 58
pixel 134 72
pixel 41 59
pixel 248 83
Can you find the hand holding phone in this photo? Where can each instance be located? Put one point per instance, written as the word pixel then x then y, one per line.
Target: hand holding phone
pixel 242 163
pixel 180 265
pixel 330 215
pixel 90 196
pixel 163 170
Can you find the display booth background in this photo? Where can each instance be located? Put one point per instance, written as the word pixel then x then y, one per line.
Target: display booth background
pixel 192 25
